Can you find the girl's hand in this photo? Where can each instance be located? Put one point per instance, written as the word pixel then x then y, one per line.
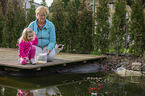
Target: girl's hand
pixel 34 36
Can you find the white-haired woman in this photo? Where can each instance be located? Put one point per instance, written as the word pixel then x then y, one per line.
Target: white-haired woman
pixel 45 32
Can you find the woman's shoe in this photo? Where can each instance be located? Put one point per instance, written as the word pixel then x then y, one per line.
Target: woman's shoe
pixel 33 61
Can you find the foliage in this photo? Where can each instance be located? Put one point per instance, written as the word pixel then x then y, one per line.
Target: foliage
pixel 52 7
pixel 65 2
pixel 31 1
pixel 102 30
pixel 72 26
pixel 137 28
pixel 130 2
pixel 119 24
pixel 1 23
pixel 43 3
pixel 58 20
pixel 14 24
pixel 85 30
pixel 77 3
pixel 19 25
pixel 7 30
pixel 31 13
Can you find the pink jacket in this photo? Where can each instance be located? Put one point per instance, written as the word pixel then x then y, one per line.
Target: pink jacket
pixel 24 47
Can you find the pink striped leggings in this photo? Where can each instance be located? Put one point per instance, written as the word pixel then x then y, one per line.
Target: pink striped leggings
pixel 31 55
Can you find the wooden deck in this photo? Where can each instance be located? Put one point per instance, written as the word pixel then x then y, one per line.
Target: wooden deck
pixel 9 58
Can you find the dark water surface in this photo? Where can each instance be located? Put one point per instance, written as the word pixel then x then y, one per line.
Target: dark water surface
pixel 75 84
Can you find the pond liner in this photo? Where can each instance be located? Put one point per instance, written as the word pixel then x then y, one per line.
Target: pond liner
pixel 54 70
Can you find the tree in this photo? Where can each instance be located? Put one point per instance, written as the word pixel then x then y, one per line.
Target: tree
pixel 83 36
pixel 137 27
pixel 1 23
pixel 31 12
pixel 58 19
pixel 4 4
pixel 102 30
pixel 131 2
pixel 77 3
pixel 43 3
pixel 9 23
pixel 119 24
pixel 65 2
pixel 72 26
pixel 19 25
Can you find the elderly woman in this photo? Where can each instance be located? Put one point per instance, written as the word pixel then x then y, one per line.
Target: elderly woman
pixel 45 32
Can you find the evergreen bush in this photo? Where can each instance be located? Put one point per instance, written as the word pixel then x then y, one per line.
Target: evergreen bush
pixel 19 25
pixel 84 38
pixel 7 34
pixel 137 28
pixel 43 3
pixel 73 26
pixel 1 24
pixel 119 25
pixel 58 18
pixel 102 30
pixel 31 13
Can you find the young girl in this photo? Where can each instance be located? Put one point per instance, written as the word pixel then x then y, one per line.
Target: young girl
pixel 26 50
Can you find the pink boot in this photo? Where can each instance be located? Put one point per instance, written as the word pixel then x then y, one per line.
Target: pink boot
pixel 23 61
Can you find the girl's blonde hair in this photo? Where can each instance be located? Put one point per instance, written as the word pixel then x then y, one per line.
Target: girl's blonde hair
pixel 41 9
pixel 25 34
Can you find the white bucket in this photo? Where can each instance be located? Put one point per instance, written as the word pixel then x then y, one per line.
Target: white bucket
pixel 41 57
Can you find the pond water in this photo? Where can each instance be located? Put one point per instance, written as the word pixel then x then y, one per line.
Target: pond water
pixel 76 84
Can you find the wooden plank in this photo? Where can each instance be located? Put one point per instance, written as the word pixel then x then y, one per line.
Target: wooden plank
pixel 9 58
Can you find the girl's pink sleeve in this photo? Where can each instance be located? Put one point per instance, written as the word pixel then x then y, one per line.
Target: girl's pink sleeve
pixel 35 41
pixel 21 49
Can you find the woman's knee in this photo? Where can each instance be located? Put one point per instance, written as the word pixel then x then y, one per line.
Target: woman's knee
pixel 51 55
pixel 50 59
pixel 38 49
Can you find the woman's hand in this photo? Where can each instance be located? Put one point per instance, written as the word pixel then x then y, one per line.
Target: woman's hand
pixel 60 46
pixel 47 51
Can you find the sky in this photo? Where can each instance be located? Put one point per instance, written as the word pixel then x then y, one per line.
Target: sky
pixel 47 1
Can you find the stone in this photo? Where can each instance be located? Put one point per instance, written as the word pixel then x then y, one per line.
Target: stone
pixel 143 73
pixel 143 67
pixel 135 79
pixel 136 66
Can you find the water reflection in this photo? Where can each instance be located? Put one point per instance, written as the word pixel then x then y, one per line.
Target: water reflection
pixel 49 91
pixel 24 93
pixel 93 84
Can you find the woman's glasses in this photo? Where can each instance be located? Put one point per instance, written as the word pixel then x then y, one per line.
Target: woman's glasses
pixel 42 15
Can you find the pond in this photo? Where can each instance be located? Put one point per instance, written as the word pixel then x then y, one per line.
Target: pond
pixel 75 84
